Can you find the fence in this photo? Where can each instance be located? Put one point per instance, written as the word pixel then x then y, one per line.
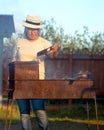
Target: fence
pixel 70 65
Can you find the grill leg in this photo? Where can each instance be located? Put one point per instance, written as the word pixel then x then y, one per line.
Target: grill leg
pixel 6 118
pixel 96 111
pixel 8 115
pixel 87 106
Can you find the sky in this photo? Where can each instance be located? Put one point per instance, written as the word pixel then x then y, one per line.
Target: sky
pixel 71 15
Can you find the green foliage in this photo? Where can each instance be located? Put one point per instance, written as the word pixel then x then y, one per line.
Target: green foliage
pixel 93 41
pixel 51 32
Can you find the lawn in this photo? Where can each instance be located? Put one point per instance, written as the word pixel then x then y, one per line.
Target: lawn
pixel 62 118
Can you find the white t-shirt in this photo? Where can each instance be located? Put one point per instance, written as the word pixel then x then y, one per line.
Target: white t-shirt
pixel 26 50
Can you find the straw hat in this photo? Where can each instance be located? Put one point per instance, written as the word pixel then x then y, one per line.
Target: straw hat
pixel 32 22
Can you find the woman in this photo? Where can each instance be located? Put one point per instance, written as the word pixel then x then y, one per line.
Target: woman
pixel 26 49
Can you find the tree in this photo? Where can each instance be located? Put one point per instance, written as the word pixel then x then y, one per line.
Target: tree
pixel 75 42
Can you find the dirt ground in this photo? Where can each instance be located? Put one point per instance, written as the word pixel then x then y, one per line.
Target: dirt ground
pixel 59 126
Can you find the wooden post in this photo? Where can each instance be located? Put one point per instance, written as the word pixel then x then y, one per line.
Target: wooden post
pixel 70 60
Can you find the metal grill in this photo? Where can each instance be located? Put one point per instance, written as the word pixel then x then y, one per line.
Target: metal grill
pixel 24 76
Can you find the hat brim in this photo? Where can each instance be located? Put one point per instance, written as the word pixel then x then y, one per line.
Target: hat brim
pixel 28 25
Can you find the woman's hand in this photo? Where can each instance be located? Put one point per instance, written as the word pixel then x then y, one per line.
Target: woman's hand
pixel 55 50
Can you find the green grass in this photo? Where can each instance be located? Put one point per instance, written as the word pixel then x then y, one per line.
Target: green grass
pixel 78 113
pixel 9 113
pixel 73 113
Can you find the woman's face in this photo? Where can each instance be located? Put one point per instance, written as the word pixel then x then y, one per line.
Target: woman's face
pixel 32 34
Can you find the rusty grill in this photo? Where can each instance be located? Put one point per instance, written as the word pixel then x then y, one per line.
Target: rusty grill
pixel 24 83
